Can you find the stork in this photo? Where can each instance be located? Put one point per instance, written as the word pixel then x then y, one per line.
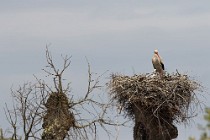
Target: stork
pixel 158 63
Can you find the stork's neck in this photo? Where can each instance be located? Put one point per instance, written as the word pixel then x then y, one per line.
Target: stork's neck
pixel 157 55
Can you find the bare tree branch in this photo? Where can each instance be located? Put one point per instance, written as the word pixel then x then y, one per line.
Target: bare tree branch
pixel 28 109
pixel 12 121
pixel 76 119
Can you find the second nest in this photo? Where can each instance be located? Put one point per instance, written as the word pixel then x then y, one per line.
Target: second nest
pixel 171 94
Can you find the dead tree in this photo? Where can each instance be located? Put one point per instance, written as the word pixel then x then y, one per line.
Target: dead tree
pixel 62 119
pixel 54 107
pixel 58 118
pixel 155 104
pixel 27 111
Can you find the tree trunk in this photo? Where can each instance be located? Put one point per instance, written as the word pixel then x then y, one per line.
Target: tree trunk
pixel 148 127
pixel 58 119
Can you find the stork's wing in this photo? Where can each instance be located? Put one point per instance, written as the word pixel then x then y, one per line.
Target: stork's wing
pixel 162 64
pixel 163 67
pixel 154 62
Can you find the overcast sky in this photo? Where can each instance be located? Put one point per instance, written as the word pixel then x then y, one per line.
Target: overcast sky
pixel 115 35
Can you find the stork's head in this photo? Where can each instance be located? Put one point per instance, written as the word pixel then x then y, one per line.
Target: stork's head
pixel 156 51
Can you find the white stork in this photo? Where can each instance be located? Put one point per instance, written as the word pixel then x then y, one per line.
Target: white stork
pixel 158 63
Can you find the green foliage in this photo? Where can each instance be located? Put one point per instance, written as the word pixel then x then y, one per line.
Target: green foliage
pixel 2 135
pixel 205 135
pixel 206 130
pixel 207 118
pixel 191 138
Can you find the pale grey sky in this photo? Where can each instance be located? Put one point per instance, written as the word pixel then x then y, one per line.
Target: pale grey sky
pixel 118 36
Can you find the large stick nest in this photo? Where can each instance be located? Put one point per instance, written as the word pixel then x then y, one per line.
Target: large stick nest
pixel 171 95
